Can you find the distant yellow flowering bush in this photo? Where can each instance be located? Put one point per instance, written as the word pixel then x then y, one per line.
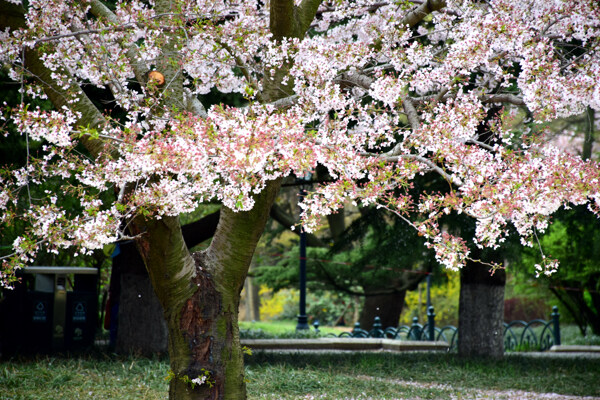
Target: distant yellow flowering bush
pixel 272 305
pixel 444 298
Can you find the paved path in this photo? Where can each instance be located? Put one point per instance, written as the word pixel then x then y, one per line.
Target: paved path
pixel 459 393
pixel 552 354
pixel 472 393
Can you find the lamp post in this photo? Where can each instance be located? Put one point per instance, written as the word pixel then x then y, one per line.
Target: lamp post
pixel 428 290
pixel 302 317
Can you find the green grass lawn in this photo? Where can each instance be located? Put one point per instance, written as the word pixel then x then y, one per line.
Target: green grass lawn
pixel 387 375
pixel 286 328
pixel 570 334
pixel 300 376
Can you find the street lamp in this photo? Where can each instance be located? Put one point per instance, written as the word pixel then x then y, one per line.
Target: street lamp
pixel 302 317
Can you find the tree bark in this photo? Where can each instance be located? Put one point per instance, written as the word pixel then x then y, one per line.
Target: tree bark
pixel 200 295
pixel 388 306
pixel 481 310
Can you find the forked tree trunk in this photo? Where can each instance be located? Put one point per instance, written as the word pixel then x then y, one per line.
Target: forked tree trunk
pixel 388 307
pixel 141 324
pixel 200 295
pixel 481 310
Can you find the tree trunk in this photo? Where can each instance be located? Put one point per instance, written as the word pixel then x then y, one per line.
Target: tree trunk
pixel 481 310
pixel 200 295
pixel 387 307
pixel 595 314
pixel 141 326
pixel 252 300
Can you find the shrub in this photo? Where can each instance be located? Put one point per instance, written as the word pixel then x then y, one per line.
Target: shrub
pixel 323 305
pixel 525 309
pixel 444 298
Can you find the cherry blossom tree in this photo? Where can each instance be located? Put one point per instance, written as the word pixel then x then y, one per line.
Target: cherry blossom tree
pixel 376 92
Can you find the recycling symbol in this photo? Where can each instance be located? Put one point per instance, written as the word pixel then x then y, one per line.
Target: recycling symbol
pixel 79 312
pixel 39 312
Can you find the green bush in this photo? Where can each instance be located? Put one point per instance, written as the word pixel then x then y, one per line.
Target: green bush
pixel 293 334
pixel 327 307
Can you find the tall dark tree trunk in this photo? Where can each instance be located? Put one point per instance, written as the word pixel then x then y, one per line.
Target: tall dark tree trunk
pixel 481 308
pixel 252 299
pixel 387 307
pixel 200 295
pixel 141 326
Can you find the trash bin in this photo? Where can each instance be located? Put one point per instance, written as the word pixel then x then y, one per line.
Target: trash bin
pixel 52 309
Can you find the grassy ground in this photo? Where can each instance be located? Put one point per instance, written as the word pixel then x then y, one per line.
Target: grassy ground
pixel 83 378
pixel 570 334
pixel 386 375
pixel 315 376
pixel 306 376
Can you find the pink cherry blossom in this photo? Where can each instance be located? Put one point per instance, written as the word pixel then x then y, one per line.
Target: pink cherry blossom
pixel 374 93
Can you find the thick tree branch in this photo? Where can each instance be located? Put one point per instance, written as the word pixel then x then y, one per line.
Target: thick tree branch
pixel 305 13
pixel 98 9
pixel 287 221
pixel 167 260
pixel 239 63
pixel 194 105
pixel 484 98
pixel 281 19
pixel 413 120
pixel 502 98
pixel 417 14
pixel 235 239
pixel 411 114
pixel 410 279
pixel 588 142
pixel 285 102
pixel 434 167
pixel 355 78
pixel 480 144
pixel 287 20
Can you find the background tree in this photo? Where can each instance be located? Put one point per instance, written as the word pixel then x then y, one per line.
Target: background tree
pixel 572 239
pixel 376 259
pixel 377 93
